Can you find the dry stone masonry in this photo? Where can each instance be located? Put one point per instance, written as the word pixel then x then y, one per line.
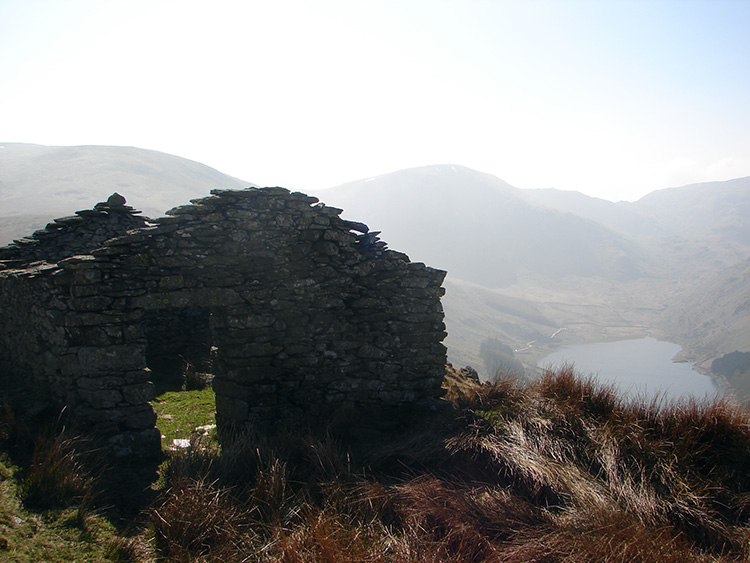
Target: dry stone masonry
pixel 77 234
pixel 293 308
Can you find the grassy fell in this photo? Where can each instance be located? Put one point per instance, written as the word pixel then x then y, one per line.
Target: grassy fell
pixel 559 470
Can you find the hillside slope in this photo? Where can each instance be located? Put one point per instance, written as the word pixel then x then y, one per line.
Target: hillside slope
pixel 718 209
pixel 557 471
pixel 39 183
pixel 616 216
pixel 521 263
pixel 481 229
pixel 714 317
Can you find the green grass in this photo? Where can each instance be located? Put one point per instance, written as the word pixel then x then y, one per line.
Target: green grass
pixel 179 413
pixel 561 470
pixel 53 506
pixel 69 534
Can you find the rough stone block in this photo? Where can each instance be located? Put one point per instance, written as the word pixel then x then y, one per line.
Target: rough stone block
pixel 139 417
pixel 234 409
pixel 123 357
pixel 98 383
pixel 139 393
pixel 372 352
pixel 101 398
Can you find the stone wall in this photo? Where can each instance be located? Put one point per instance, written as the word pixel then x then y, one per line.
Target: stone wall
pixel 77 234
pixel 303 311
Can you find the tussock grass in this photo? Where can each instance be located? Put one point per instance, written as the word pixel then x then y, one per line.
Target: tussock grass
pixel 47 510
pixel 60 465
pixel 196 518
pixel 57 476
pixel 559 470
pixel 580 448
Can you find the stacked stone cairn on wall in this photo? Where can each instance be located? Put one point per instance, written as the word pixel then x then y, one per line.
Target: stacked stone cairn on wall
pixel 297 309
pixel 77 234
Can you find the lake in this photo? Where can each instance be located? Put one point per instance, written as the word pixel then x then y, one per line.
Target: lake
pixel 638 368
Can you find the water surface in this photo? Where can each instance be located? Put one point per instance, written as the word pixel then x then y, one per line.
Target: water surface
pixel 641 367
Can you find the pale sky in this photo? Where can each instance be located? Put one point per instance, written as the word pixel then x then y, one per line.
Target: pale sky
pixel 610 98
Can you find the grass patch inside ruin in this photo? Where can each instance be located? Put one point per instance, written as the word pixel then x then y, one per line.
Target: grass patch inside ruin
pixel 179 413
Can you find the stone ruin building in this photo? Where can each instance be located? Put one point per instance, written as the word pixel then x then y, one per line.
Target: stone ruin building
pixel 297 310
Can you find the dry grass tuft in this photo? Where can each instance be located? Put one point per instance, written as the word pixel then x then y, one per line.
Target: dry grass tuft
pixel 577 446
pixel 561 470
pixel 197 519
pixel 58 475
pixel 603 537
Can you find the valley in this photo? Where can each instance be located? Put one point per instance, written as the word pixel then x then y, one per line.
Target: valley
pixel 522 264
pixel 532 261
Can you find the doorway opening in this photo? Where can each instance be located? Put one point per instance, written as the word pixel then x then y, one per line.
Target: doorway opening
pixel 179 347
pixel 180 354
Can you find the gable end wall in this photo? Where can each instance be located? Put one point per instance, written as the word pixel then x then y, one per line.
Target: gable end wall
pixel 306 315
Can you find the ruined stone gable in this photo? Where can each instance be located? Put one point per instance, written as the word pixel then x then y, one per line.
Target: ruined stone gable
pixel 298 309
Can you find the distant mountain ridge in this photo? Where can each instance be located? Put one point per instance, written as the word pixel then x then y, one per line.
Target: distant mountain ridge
pixel 482 229
pixel 522 264
pixel 710 208
pixel 605 270
pixel 39 183
pixel 617 216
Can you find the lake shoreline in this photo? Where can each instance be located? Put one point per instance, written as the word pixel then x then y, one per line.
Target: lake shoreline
pixel 642 366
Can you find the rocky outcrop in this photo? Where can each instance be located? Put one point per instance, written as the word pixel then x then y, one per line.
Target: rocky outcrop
pixel 297 309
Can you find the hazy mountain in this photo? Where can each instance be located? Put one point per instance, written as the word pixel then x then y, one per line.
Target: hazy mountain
pixel 701 233
pixel 690 232
pixel 616 216
pixel 481 229
pixel 719 209
pixel 38 183
pixel 523 264
pixel 713 318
